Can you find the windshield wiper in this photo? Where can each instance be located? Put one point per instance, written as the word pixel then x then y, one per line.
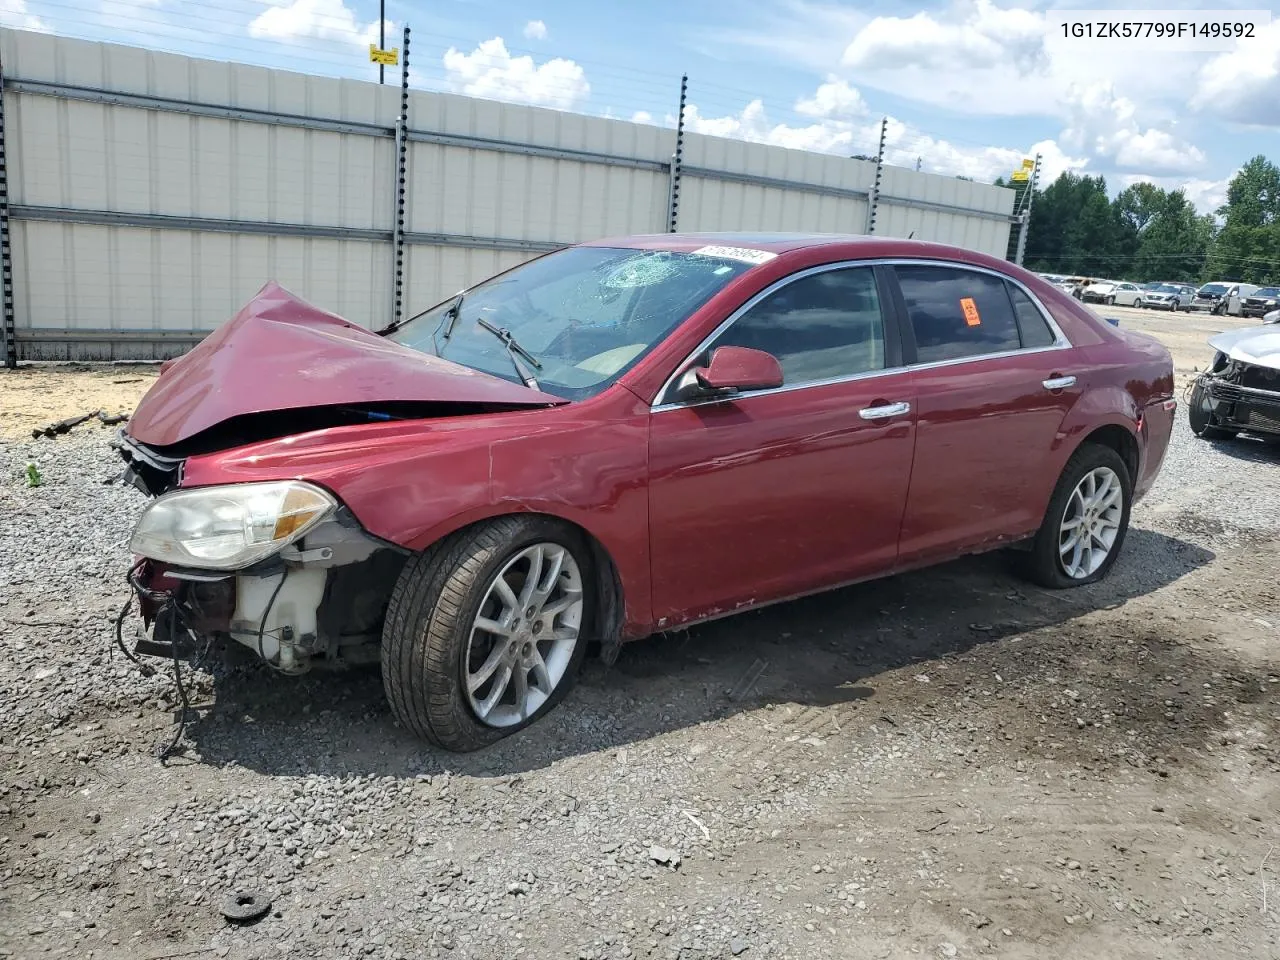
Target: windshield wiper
pixel 451 315
pixel 449 321
pixel 514 351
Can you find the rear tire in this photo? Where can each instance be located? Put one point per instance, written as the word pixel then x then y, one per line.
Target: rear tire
pixel 448 623
pixel 1203 423
pixel 1090 507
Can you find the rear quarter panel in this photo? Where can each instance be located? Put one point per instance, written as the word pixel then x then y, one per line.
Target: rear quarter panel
pixel 1127 377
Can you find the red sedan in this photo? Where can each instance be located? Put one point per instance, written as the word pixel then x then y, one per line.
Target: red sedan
pixel 620 438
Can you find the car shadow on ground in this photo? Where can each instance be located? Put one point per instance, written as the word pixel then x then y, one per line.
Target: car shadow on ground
pixel 819 651
pixel 1250 447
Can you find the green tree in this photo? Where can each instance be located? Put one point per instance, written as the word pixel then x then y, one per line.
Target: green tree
pixel 1174 242
pixel 1139 204
pixel 1147 233
pixel 1248 246
pixel 1076 230
pixel 1253 196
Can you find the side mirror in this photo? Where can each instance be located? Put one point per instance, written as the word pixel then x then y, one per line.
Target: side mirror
pixel 731 370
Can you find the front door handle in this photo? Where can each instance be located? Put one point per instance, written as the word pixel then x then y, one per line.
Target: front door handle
pixel 1059 383
pixel 888 410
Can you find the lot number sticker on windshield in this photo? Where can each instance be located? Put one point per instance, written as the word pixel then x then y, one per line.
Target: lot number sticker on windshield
pixel 971 317
pixel 736 253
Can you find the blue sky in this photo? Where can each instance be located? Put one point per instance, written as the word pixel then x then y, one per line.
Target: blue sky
pixel 970 86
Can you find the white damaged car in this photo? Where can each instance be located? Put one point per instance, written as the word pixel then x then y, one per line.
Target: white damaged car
pixel 1241 388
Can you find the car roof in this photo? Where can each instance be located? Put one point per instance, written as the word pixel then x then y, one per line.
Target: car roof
pixel 853 245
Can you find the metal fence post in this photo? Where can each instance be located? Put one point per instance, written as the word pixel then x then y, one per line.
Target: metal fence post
pixel 7 326
pixel 402 157
pixel 677 159
pixel 873 199
pixel 1026 212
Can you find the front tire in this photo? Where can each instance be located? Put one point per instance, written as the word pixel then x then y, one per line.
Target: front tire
pixel 486 631
pixel 1086 522
pixel 1203 423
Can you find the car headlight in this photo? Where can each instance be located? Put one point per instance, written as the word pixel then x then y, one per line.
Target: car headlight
pixel 229 527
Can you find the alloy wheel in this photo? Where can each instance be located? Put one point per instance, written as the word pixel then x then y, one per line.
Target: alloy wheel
pixel 524 635
pixel 1090 523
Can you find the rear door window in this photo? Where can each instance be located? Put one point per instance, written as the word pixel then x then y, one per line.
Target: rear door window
pixel 957 313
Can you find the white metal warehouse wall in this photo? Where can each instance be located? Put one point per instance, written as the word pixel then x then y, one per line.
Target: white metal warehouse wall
pixel 153 194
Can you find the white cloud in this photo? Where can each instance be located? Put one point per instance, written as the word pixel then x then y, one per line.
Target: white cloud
pixel 903 143
pixel 535 30
pixel 1244 84
pixel 491 71
pixel 315 20
pixel 14 13
pixel 833 99
pixel 806 32
pixel 975 33
pixel 642 116
pixel 978 57
pixel 752 123
pixel 1106 126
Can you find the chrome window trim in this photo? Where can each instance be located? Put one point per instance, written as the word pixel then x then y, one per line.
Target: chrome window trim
pixel 785 388
pixel 1060 341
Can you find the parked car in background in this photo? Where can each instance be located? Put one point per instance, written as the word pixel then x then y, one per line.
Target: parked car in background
pixel 1222 298
pixel 1241 388
pixel 1098 291
pixel 1127 295
pixel 1167 296
pixel 617 439
pixel 1260 302
pixel 1074 286
pixel 1114 292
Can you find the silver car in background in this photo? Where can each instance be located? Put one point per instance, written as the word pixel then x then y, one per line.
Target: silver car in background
pixel 1168 296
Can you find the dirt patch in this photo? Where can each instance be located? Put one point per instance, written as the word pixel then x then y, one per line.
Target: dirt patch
pixel 36 395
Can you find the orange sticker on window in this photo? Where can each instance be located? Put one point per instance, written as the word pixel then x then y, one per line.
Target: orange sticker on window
pixel 970 311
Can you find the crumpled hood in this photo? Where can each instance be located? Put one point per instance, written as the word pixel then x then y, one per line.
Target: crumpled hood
pixel 1256 345
pixel 280 353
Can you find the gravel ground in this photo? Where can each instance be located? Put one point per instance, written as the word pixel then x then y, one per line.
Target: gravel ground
pixel 947 763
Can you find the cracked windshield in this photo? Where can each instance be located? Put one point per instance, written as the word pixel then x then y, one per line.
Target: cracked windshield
pixel 579 318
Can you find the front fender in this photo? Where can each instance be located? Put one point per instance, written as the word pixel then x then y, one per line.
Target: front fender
pixel 412 483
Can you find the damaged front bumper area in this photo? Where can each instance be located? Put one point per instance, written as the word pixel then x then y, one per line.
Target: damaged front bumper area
pixel 283 568
pixel 1243 396
pixel 319 602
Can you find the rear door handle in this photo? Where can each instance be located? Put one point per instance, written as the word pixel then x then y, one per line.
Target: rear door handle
pixel 1059 383
pixel 888 410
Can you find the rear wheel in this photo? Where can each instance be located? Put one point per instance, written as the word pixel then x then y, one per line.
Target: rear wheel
pixel 486 631
pixel 1200 416
pixel 1086 522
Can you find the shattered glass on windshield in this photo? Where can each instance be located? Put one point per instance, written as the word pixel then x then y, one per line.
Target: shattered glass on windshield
pixel 587 314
